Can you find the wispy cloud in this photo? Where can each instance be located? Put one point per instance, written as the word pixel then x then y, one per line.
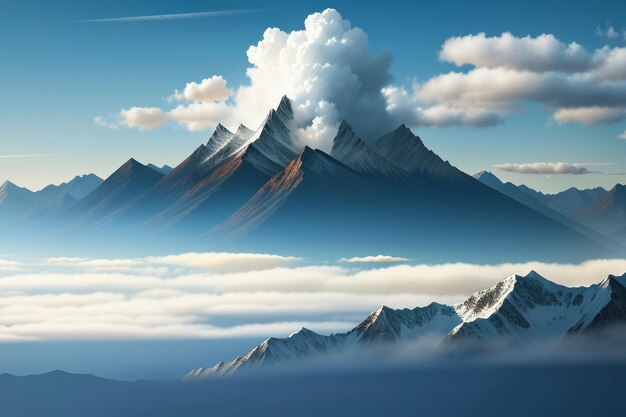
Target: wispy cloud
pixel 609 31
pixel 102 122
pixel 550 168
pixel 174 16
pixel 374 259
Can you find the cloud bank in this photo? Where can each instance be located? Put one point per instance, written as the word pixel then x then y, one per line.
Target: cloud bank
pixel 545 168
pixel 208 295
pixel 580 86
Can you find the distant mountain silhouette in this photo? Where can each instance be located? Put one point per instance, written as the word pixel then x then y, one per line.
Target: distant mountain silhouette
pixel 568 201
pixel 607 214
pixel 539 202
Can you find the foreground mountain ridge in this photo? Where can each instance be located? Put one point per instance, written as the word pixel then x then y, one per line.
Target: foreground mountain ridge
pixel 518 309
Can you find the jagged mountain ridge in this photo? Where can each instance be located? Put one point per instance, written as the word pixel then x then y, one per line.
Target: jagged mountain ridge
pixel 234 173
pixel 518 309
pixel 375 203
pixel 568 201
pixel 392 193
pixel 216 179
pixel 23 205
pixel 384 325
pixel 607 214
pixel 527 197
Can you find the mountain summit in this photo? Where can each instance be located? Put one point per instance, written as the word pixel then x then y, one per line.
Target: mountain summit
pixel 407 151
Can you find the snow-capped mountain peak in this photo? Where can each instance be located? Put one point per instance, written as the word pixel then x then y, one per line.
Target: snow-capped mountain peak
pixel 384 325
pixel 220 138
pixel 485 302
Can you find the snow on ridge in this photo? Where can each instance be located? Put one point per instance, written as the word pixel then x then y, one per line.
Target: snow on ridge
pixel 517 308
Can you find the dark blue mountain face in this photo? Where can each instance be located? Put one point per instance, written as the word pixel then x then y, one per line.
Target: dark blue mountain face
pixel 329 208
pixel 123 186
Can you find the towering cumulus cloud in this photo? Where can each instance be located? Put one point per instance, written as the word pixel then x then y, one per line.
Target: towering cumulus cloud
pixel 326 70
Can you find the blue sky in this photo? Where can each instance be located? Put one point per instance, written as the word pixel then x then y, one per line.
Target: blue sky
pixel 58 72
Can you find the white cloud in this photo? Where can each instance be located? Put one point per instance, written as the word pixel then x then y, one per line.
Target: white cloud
pixel 6 265
pixel 590 115
pixel 408 108
pixel 209 89
pixel 611 64
pixel 374 259
pixel 143 118
pixel 502 89
pixel 622 135
pixel 212 261
pixel 93 263
pixel 546 168
pixel 101 121
pixel 199 299
pixel 200 115
pixel 540 54
pixel 509 72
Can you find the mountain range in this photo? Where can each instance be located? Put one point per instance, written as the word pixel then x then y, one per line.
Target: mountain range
pixel 263 190
pixel 518 309
pixel 595 212
pixel 21 204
